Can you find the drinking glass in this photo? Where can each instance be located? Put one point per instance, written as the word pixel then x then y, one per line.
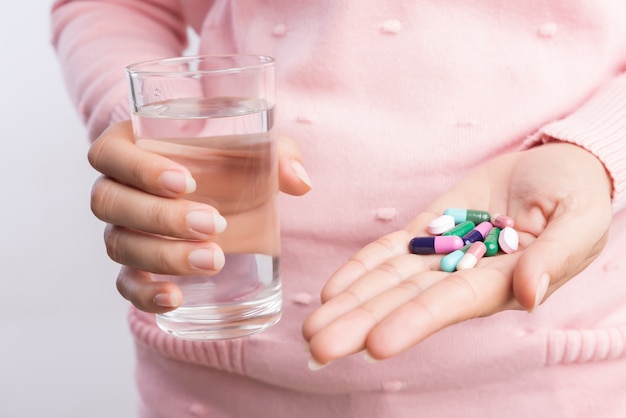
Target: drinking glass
pixel 215 115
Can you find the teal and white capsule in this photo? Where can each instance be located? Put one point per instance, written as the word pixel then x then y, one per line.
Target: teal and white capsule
pixel 449 262
pixel 461 229
pixel 462 215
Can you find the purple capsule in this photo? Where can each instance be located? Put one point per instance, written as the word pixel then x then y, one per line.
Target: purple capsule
pixel 435 245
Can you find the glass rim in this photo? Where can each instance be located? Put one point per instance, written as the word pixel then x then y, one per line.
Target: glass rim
pixel 256 62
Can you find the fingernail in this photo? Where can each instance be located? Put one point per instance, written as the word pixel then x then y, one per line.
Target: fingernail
pixel 206 222
pixel 542 289
pixel 315 366
pixel 177 182
pixel 301 173
pixel 206 259
pixel 167 300
pixel 368 357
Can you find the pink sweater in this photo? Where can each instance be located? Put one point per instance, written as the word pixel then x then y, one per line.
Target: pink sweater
pixel 391 103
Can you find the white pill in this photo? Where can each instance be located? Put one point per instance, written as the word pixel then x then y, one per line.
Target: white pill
pixel 440 224
pixel 508 240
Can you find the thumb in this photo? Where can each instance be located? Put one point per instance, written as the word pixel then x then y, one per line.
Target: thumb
pixel 293 178
pixel 554 258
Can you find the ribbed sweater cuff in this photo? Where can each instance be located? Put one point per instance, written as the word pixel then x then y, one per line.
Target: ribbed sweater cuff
pixel 121 112
pixel 599 126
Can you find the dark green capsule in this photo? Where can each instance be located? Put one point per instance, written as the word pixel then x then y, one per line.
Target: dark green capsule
pixel 461 229
pixel 491 241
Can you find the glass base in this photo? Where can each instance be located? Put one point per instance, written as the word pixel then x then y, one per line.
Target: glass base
pixel 222 321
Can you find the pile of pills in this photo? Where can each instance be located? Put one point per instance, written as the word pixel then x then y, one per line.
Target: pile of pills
pixel 465 236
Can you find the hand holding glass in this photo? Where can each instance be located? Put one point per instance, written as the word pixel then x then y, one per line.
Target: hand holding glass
pixel 214 114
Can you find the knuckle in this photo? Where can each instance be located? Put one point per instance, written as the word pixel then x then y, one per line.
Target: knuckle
pixel 160 214
pixel 94 153
pixel 113 243
pixel 166 260
pixel 103 197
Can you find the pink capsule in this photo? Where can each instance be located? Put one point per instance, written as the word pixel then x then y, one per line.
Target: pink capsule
pixel 502 222
pixel 475 252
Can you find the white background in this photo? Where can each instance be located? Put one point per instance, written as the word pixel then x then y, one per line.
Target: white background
pixel 65 350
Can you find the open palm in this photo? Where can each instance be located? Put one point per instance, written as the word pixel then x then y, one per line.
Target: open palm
pixel 385 300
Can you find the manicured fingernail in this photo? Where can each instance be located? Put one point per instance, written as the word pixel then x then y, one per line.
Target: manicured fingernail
pixel 206 259
pixel 167 300
pixel 542 289
pixel 177 182
pixel 301 173
pixel 315 366
pixel 368 357
pixel 206 222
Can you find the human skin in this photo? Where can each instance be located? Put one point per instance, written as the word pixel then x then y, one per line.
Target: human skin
pixel 140 197
pixel 385 300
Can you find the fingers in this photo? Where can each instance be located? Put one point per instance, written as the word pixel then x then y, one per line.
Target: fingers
pixel 568 208
pixel 405 314
pixel 294 180
pixel 125 206
pixel 374 254
pixel 366 260
pixel 115 155
pixel 162 255
pixel 569 243
pixel 382 278
pixel 147 294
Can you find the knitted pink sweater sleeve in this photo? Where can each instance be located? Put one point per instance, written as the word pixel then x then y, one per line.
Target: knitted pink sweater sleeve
pixel 599 126
pixel 95 40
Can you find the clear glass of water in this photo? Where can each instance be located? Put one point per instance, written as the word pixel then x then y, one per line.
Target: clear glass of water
pixel 215 115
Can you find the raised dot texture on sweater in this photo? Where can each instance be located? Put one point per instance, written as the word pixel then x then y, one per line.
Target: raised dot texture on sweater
pixel 305 119
pixel 302 298
pixel 394 386
pixel 386 214
pixel 196 409
pixel 279 30
pixel 547 30
pixel 466 123
pixel 391 26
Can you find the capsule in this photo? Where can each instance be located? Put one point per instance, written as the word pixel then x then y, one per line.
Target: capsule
pixel 462 215
pixel 475 252
pixel 508 240
pixel 449 262
pixel 435 245
pixel 477 234
pixel 491 241
pixel 502 221
pixel 440 225
pixel 461 229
